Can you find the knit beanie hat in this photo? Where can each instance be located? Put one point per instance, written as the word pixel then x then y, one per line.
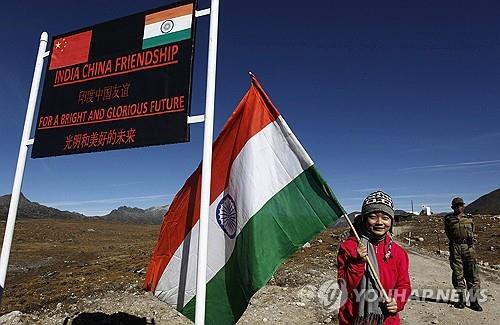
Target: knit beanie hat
pixel 378 202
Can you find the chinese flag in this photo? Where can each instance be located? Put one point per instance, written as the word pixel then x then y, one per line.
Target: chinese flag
pixel 70 50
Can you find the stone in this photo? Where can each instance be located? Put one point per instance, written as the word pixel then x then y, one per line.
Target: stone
pixel 306 245
pixel 14 318
pixel 141 271
pixel 307 293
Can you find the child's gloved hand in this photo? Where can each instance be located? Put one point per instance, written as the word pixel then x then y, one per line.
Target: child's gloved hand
pixel 362 251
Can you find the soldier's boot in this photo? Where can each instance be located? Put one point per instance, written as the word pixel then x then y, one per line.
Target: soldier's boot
pixel 474 304
pixel 460 304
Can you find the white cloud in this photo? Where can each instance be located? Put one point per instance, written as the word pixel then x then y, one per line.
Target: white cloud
pixel 461 165
pixel 369 189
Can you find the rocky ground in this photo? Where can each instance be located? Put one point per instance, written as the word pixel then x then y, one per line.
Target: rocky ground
pixel 65 272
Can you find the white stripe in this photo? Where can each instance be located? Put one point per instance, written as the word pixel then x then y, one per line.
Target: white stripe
pixel 267 163
pixel 180 23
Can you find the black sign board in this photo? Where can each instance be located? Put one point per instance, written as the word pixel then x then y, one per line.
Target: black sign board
pixel 121 84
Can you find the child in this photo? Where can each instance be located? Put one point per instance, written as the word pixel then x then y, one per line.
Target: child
pixel 364 302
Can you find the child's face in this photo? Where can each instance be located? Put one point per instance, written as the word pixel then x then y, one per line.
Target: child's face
pixel 378 223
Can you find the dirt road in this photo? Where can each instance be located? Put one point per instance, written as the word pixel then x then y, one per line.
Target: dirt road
pixel 432 273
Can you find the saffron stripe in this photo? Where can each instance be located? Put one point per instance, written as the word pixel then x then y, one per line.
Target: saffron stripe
pixel 168 14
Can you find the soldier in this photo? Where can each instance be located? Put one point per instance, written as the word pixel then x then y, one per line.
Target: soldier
pixel 459 228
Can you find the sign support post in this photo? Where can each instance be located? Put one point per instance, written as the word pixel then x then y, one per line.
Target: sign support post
pixel 21 161
pixel 206 171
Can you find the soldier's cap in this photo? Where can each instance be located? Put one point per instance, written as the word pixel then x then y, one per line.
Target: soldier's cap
pixel 457 201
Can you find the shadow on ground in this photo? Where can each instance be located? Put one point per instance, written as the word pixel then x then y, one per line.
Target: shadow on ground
pixel 431 299
pixel 105 319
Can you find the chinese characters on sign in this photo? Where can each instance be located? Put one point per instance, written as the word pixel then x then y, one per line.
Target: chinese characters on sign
pixel 103 94
pixel 101 139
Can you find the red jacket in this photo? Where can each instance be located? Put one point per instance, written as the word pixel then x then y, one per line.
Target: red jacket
pixel 393 274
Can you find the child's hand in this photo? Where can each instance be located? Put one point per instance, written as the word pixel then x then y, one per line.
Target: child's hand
pixel 362 251
pixel 392 306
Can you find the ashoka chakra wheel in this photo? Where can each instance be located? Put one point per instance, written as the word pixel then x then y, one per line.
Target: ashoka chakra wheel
pixel 226 216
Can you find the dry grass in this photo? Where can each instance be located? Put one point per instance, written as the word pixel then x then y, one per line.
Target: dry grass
pixel 55 261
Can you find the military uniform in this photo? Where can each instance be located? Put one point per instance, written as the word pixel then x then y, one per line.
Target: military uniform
pixel 460 232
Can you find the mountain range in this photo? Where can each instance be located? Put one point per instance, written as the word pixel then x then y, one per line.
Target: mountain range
pixel 33 210
pixel 486 204
pixel 153 215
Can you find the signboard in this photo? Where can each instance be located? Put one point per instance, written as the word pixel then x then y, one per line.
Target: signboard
pixel 121 84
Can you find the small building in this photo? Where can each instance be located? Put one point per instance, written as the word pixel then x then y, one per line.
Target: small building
pixel 426 210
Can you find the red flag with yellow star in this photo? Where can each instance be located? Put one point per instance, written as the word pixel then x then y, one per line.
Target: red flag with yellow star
pixel 70 50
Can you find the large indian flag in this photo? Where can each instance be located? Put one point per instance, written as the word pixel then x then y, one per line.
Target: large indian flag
pixel 167 26
pixel 267 200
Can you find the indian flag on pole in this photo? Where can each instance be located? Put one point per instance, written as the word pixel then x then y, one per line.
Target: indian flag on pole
pixel 267 200
pixel 168 26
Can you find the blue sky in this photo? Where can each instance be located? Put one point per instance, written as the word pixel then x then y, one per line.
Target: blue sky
pixel 402 96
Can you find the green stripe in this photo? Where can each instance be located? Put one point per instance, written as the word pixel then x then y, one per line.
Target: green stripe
pixel 287 221
pixel 166 38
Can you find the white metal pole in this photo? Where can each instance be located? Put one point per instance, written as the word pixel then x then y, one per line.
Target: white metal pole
pixel 21 161
pixel 206 169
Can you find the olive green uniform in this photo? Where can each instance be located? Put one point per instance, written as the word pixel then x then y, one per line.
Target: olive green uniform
pixel 460 232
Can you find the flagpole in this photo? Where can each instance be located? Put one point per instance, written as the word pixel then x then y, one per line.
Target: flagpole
pixel 21 162
pixel 206 169
pixel 370 265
